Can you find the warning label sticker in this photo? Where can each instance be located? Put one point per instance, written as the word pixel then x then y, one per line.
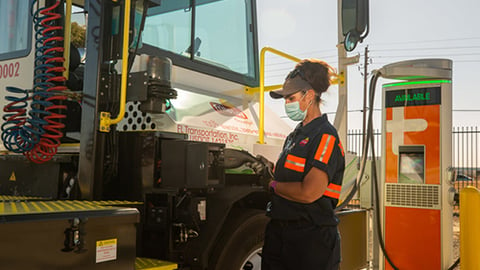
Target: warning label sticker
pixel 106 250
pixel 12 177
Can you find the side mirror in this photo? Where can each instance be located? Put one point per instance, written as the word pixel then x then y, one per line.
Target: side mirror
pixel 355 17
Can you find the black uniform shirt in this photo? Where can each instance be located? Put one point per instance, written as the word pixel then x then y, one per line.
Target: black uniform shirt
pixel 314 145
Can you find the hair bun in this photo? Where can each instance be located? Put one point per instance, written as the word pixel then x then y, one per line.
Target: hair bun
pixel 317 73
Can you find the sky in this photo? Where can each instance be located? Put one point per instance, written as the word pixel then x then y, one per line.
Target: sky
pixel 399 30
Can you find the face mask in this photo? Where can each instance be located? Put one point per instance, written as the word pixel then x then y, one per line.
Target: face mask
pixel 294 112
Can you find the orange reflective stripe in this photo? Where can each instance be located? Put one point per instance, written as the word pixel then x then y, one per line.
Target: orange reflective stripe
pixel 295 163
pixel 320 148
pixel 330 145
pixel 341 148
pixel 331 194
pixel 325 149
pixel 296 159
pixel 334 187
pixel 333 191
pixel 293 167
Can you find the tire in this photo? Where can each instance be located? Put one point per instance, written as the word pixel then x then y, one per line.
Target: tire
pixel 241 241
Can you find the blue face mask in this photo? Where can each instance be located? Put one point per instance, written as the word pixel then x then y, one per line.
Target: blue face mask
pixel 294 112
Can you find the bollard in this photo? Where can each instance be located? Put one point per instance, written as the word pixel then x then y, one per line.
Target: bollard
pixel 469 232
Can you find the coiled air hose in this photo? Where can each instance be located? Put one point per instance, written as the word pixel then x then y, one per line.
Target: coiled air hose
pixel 38 135
pixel 15 137
pixel 49 82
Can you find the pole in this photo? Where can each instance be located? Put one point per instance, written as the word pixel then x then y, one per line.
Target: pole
pixel 340 121
pixel 365 78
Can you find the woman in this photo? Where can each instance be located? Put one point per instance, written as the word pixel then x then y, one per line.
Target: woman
pixel 302 232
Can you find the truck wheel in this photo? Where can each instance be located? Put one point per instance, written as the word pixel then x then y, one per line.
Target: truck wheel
pixel 241 241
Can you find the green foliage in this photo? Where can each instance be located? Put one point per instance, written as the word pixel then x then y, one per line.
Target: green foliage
pixel 78 35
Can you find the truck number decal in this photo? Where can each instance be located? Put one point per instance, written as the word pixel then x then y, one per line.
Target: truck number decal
pixel 9 70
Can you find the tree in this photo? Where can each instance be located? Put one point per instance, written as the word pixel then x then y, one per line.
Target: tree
pixel 78 35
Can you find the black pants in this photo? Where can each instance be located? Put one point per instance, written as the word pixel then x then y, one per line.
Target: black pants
pixel 300 246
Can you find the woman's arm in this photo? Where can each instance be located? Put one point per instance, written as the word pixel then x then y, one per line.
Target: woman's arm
pixel 311 189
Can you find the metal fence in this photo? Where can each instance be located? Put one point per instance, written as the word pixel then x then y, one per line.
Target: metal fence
pixel 465 151
pixel 465 143
pixel 355 142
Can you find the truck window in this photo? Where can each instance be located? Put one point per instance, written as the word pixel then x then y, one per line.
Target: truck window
pixel 169 29
pixel 223 33
pixel 15 29
pixel 78 29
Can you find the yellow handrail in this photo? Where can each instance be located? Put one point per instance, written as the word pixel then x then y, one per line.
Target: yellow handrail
pixel 253 90
pixel 262 88
pixel 67 37
pixel 105 120
pixel 261 135
pixel 469 224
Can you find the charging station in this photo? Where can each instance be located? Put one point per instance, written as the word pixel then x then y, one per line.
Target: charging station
pixel 417 209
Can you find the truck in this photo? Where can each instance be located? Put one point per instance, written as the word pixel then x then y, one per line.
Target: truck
pixel 127 134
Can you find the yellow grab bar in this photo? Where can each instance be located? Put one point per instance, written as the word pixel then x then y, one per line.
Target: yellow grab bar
pixel 261 133
pixel 262 88
pixel 253 90
pixel 105 120
pixel 67 37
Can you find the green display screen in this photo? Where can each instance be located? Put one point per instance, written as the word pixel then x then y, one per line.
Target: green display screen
pixel 413 97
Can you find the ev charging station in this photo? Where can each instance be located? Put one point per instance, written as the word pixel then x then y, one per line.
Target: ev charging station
pixel 416 201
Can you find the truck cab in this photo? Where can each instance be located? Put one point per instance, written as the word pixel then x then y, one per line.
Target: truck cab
pixel 180 98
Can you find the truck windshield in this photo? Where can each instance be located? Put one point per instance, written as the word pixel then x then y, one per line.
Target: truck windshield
pixel 223 33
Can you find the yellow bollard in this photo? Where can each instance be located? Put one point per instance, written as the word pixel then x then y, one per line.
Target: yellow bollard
pixel 469 228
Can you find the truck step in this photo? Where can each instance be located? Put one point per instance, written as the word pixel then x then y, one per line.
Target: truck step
pixel 153 264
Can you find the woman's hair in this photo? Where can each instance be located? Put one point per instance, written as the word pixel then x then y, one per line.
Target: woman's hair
pixel 318 74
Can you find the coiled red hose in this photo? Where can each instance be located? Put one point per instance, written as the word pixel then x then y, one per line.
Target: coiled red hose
pixel 52 65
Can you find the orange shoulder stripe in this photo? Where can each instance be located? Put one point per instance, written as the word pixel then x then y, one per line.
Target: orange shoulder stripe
pixel 325 148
